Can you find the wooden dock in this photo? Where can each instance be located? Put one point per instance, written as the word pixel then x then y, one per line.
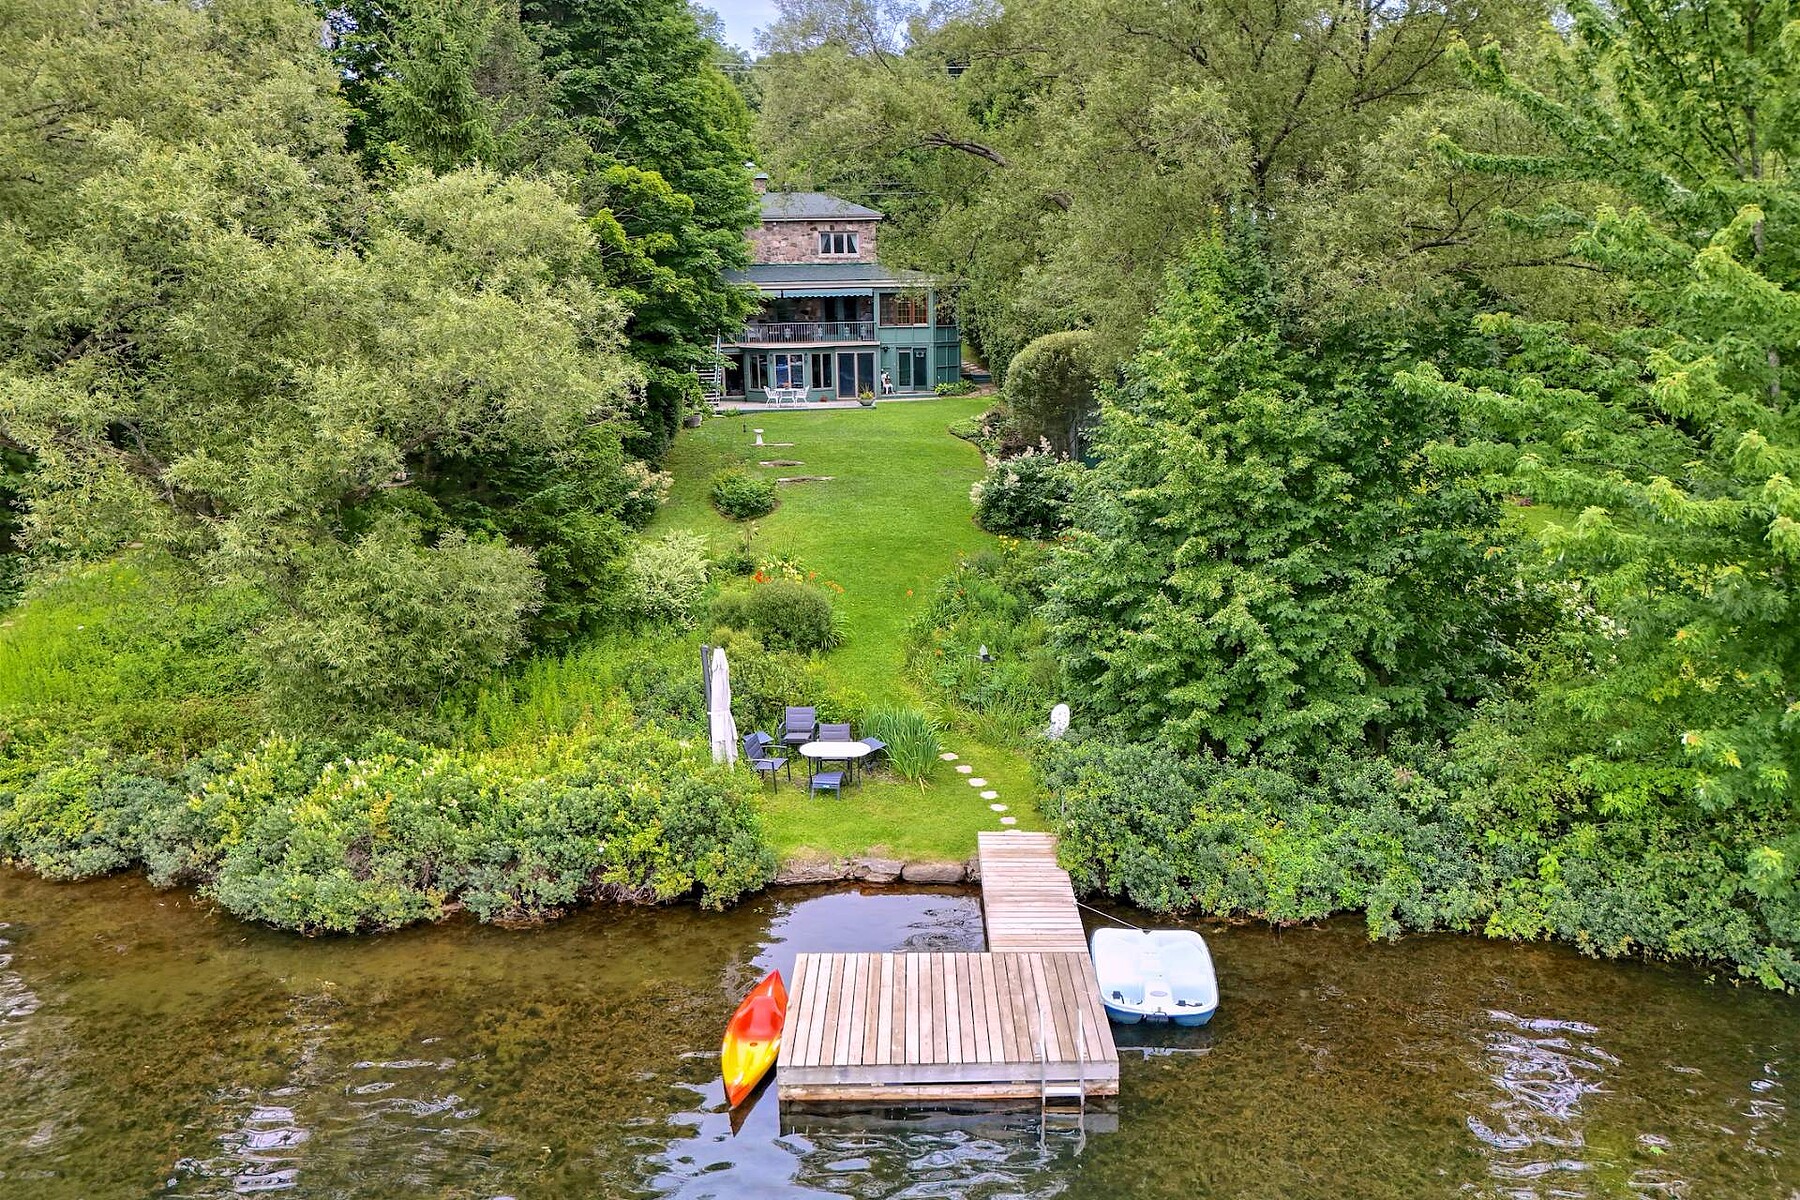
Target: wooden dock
pixel 1020 1022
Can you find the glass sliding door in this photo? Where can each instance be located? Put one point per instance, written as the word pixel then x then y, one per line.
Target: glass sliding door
pixel 855 373
pixel 912 369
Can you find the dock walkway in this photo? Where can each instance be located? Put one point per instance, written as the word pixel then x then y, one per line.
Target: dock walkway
pixel 1022 1021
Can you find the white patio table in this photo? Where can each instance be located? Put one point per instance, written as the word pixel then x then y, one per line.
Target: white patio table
pixel 849 752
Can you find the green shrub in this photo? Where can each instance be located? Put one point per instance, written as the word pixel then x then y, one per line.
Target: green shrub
pixel 960 387
pixel 667 577
pixel 405 832
pixel 1027 496
pixel 784 613
pixel 990 600
pixel 82 817
pixel 1286 843
pixel 742 494
pixel 764 682
pixel 912 740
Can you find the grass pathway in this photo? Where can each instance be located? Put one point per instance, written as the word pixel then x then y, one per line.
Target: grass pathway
pixel 890 522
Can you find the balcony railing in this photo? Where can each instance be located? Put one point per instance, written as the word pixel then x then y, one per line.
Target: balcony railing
pixel 785 333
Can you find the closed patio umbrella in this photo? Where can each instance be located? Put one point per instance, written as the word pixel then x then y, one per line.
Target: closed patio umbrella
pixel 722 727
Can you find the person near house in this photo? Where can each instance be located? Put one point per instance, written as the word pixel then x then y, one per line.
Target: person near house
pixel 887 385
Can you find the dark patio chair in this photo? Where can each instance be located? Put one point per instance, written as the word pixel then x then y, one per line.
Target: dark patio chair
pixel 828 781
pixel 799 726
pixel 756 750
pixel 877 748
pixel 838 733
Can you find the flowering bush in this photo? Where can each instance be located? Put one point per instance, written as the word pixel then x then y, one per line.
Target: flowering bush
pixel 1028 495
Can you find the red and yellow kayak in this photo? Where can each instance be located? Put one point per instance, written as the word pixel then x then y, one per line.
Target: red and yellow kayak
pixel 753 1038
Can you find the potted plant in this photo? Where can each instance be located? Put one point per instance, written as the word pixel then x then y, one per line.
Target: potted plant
pixel 866 398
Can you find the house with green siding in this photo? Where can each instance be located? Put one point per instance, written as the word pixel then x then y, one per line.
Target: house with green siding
pixel 832 320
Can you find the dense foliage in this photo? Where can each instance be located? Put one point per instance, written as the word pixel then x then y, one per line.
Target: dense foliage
pixel 289 835
pixel 333 344
pixel 742 494
pixel 1261 558
pixel 786 614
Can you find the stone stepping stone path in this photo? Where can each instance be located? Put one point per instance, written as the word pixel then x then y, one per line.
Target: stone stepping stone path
pixel 805 479
pixel 976 781
pixel 781 462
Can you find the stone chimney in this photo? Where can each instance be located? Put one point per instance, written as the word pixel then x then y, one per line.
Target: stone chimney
pixel 760 181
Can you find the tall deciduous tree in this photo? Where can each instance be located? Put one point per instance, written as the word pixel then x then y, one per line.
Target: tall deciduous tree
pixel 215 345
pixel 638 79
pixel 1681 460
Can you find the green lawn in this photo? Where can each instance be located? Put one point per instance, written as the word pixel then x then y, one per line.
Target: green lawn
pixel 889 523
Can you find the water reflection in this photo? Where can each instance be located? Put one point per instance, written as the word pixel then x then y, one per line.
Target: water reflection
pixel 1544 1069
pixel 150 1047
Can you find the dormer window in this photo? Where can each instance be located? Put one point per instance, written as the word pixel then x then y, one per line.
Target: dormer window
pixel 837 243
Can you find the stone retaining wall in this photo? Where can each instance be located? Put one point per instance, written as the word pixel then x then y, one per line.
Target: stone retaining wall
pixel 797 871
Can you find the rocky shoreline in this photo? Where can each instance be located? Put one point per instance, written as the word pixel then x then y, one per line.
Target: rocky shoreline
pixel 796 872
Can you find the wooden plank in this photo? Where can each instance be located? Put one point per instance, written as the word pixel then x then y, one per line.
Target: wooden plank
pixel 791 1028
pixel 991 1001
pixel 845 1029
pixel 955 1019
pixel 1046 1020
pixel 872 996
pixel 1024 1017
pixel 913 1023
pixel 942 1011
pixel 979 996
pixel 884 1013
pixel 965 1001
pixel 821 1037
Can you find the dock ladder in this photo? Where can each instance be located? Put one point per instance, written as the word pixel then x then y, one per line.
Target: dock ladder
pixel 1062 1099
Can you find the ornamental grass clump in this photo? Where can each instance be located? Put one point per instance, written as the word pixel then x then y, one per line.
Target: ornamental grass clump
pixel 912 741
pixel 742 495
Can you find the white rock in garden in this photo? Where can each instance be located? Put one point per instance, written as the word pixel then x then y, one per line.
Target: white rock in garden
pixel 990 795
pixel 977 782
pixel 998 807
pixel 1009 820
pixel 963 768
pixel 947 756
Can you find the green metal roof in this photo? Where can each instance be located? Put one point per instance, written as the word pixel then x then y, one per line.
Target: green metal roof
pixel 813 206
pixel 786 277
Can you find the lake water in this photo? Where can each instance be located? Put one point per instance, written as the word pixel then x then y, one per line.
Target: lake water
pixel 151 1047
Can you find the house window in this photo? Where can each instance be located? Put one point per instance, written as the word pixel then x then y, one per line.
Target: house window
pixel 946 312
pixel 914 373
pixel 837 242
pixel 790 370
pixel 756 372
pixel 904 310
pixel 821 370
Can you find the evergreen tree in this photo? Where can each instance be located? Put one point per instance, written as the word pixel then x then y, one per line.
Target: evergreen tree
pixel 1260 558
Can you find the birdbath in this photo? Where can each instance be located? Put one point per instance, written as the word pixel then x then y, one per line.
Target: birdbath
pixel 759 437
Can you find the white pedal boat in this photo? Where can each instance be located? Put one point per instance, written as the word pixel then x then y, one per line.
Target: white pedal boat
pixel 1159 975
